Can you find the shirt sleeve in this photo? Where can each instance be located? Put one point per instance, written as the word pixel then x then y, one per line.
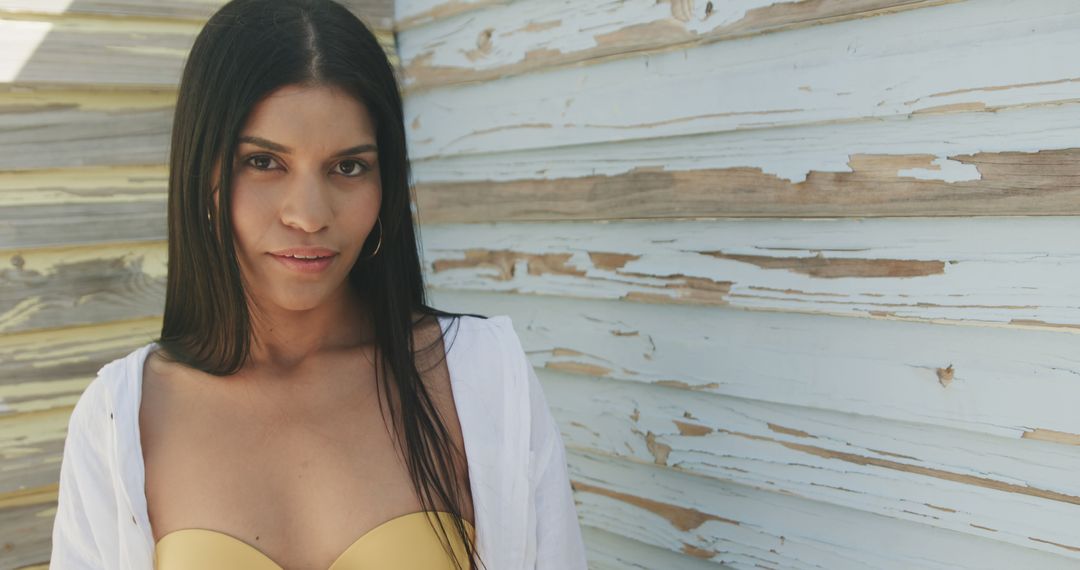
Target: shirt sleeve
pixel 85 494
pixel 559 544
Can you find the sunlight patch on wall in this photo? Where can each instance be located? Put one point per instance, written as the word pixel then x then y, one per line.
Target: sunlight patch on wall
pixel 21 40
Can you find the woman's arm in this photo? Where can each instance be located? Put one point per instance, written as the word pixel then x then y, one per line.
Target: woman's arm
pixel 85 493
pixel 559 545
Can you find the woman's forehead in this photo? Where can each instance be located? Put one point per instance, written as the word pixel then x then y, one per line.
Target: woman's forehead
pixel 310 113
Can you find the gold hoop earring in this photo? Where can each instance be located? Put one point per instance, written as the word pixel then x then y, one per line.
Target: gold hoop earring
pixel 378 220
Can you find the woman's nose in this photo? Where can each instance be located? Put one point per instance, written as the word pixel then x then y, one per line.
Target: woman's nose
pixel 307 203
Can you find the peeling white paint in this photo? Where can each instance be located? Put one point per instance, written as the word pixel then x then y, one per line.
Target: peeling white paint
pixel 993 270
pixel 865 387
pixel 956 56
pixel 789 154
pixel 562 27
pixel 602 410
pixel 674 322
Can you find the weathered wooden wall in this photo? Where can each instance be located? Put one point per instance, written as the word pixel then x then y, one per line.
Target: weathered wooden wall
pixel 87 89
pixel 801 278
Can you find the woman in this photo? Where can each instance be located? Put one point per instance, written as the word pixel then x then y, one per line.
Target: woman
pixel 300 408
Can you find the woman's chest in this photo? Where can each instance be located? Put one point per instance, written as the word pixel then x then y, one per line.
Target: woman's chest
pixel 298 481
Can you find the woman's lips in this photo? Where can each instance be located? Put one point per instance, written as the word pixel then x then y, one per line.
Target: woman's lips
pixel 305 265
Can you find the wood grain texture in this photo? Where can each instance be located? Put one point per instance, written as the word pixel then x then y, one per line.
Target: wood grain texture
pixel 59 354
pixel 73 51
pixel 63 51
pixel 27 530
pixel 378 13
pixel 80 285
pixel 82 205
pixel 470 42
pixel 65 133
pixel 954 58
pixel 42 375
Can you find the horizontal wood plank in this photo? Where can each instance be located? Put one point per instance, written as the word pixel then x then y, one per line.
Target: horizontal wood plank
pixel 27 530
pixel 1020 162
pixel 1012 383
pixel 44 226
pixel 412 13
pixel 468 44
pixel 52 355
pixel 1010 490
pixel 82 205
pixel 66 134
pixel 42 376
pixel 743 527
pixel 995 271
pixel 43 50
pixel 378 13
pixel 66 286
pixel 609 551
pixel 959 57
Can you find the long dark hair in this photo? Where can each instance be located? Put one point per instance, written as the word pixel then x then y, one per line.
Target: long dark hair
pixel 246 50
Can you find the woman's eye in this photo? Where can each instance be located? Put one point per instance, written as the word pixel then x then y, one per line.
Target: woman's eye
pixel 259 157
pixel 357 170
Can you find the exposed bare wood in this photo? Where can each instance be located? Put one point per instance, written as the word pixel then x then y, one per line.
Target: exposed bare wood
pixel 57 136
pixel 81 285
pixel 85 205
pixel 1010 183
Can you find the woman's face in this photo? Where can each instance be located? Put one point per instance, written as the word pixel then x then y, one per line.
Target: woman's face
pixel 306 175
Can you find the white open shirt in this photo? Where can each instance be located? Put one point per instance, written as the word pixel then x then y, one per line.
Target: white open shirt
pixel 522 500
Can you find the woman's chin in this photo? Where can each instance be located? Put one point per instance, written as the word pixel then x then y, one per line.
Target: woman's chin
pixel 301 301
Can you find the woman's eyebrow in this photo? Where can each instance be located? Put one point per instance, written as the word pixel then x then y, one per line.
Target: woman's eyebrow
pixel 367 147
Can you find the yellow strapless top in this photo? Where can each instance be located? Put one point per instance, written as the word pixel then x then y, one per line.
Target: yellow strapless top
pixel 403 542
